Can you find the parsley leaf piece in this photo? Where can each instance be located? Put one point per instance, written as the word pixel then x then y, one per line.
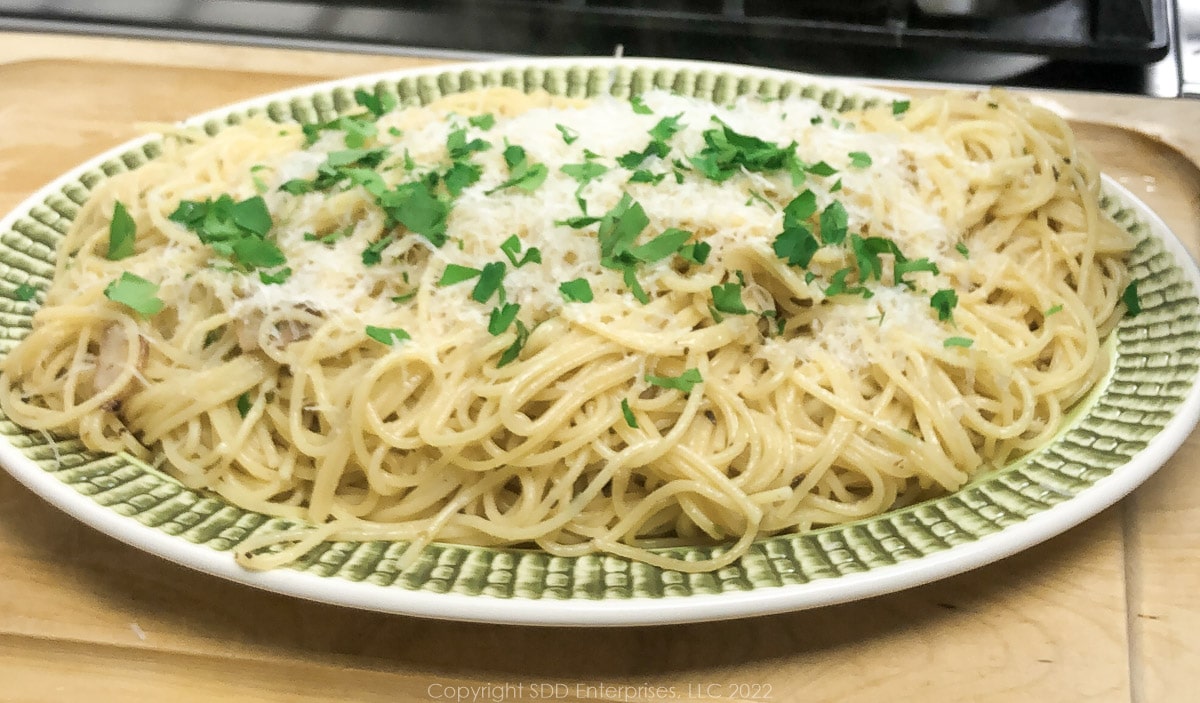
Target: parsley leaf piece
pixel 418 208
pixel 25 292
pixel 134 292
pixel 963 342
pixel 1054 310
pixel 627 411
pixel 244 404
pixel 619 228
pixel 859 159
pixel 727 298
pixel 512 246
pixel 485 121
pixel 666 128
pixel 944 301
pixel 834 221
pixel 899 107
pixel 638 106
pixel 568 135
pixel 904 266
pixel 260 186
pixel 1129 296
pixel 489 282
pixel 634 159
pixel 373 254
pixel 635 286
pixel 579 222
pixel 378 104
pixel 961 248
pixel 523 175
pixel 683 382
pixel 577 291
pixel 727 151
pixel 501 317
pixel 257 253
pixel 387 335
pixel 252 215
pixel 457 274
pixel 514 350
pixel 298 186
pixel 801 207
pixel 696 253
pixel 821 169
pixel 459 148
pixel 867 251
pixel 461 175
pixel 584 172
pixel 839 286
pixel 796 244
pixel 643 176
pixel 662 246
pixel 273 278
pixel 122 232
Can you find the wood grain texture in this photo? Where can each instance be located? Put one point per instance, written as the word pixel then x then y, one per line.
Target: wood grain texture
pixel 1101 613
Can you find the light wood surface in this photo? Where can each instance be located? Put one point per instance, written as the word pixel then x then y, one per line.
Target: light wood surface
pixel 1105 612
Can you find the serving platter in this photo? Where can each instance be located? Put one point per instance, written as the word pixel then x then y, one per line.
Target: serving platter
pixel 1130 427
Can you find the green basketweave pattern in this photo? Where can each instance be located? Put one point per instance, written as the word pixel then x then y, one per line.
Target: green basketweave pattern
pixel 1155 366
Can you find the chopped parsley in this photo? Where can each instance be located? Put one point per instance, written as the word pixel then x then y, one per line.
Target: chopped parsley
pixel 961 248
pixel 523 174
pixel 387 335
pixel 963 342
pixel 459 148
pixel 568 135
pixel 839 286
pixel 577 291
pixel 378 104
pixel 1053 310
pixel 821 169
pixel 136 293
pixel 627 411
pixel 796 244
pixel 696 253
pixel 501 318
pixel 416 206
pixel 727 298
pixel 899 107
pixel 489 282
pixel 1129 296
pixel 514 350
pixel 122 233
pixel 278 276
pixel 485 121
pixel 944 301
pixel 457 274
pixel 512 247
pixel 662 246
pixel 234 230
pixel 834 221
pixel 638 106
pixel 860 159
pixel 683 382
pixel 726 152
pixel 244 404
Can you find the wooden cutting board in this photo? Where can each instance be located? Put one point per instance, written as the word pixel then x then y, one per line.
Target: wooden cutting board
pixel 1105 612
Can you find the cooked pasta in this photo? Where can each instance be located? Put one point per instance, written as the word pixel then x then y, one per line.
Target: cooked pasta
pixel 586 326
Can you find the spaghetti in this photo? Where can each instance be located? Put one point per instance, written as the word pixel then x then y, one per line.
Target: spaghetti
pixel 610 325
